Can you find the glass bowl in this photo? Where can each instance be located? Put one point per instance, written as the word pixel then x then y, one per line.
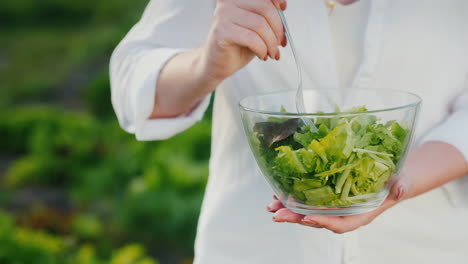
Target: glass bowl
pixel 342 164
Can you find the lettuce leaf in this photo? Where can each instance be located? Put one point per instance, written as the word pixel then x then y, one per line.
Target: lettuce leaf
pixel 288 161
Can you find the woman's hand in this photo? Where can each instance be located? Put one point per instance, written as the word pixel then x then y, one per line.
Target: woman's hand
pixel 429 166
pixel 338 224
pixel 242 29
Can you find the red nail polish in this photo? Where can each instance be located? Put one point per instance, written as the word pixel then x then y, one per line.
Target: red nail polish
pixel 277 220
pixel 283 5
pixel 266 57
pixel 284 42
pixel 277 57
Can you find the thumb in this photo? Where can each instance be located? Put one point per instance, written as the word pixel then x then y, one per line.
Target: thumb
pixel 400 187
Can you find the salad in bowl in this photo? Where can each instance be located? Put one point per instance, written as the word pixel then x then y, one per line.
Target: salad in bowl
pixel 331 161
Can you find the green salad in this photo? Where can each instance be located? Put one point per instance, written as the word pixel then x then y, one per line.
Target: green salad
pixel 342 160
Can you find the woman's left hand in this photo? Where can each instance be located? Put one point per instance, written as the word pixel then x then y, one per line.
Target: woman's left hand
pixel 338 224
pixel 429 166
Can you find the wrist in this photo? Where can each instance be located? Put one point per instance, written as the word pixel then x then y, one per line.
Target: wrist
pixel 206 74
pixel 181 86
pixel 205 77
pixel 431 165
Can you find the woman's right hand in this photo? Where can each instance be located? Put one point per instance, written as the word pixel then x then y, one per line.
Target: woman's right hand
pixel 241 30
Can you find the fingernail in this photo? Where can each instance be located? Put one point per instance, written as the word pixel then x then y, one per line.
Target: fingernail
pixel 277 220
pixel 309 222
pixel 275 197
pixel 283 5
pixel 284 42
pixel 274 206
pixel 278 56
pixel 265 58
pixel 309 219
pixel 346 2
pixel 315 226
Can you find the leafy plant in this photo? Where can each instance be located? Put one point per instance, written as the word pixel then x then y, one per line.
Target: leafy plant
pixel 59 131
pixel 24 246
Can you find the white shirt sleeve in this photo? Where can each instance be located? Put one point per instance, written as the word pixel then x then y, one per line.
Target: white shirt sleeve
pixel 166 28
pixel 454 129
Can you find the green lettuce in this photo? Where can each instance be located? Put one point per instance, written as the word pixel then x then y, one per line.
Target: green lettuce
pixel 347 160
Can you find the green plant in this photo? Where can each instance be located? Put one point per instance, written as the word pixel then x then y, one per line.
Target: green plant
pixel 131 254
pixel 20 245
pixel 97 96
pixel 33 169
pixel 96 161
pixel 24 246
pixel 87 226
pixel 71 12
pixel 59 131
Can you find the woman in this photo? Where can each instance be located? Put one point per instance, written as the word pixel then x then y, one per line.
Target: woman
pixel 164 70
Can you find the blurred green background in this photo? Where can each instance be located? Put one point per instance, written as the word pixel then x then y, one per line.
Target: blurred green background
pixel 74 187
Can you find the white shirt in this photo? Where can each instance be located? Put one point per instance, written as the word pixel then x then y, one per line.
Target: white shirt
pixel 418 46
pixel 347 26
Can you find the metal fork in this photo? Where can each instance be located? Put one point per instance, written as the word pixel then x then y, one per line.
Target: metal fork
pixel 300 105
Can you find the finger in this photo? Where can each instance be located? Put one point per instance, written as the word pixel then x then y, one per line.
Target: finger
pixel 280 4
pixel 266 9
pixel 246 38
pixel 258 24
pixel 285 215
pixel 311 225
pixel 284 42
pixel 275 206
pixel 398 191
pixel 401 186
pixel 343 224
pixel 332 223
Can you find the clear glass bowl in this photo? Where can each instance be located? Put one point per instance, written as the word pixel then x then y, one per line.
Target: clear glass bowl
pixel 342 165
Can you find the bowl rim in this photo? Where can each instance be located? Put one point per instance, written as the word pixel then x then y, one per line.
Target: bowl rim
pixel 417 102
